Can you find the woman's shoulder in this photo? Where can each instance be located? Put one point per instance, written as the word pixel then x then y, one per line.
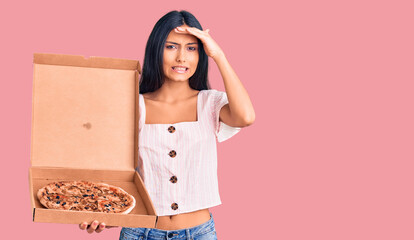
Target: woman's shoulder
pixel 212 93
pixel 213 98
pixel 146 95
pixel 149 97
pixel 211 90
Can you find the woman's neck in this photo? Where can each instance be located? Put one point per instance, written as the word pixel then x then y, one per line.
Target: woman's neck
pixel 173 91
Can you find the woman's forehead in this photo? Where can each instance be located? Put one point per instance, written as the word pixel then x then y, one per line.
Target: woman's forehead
pixel 181 38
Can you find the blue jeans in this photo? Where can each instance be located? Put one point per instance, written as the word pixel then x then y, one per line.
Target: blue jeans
pixel 205 231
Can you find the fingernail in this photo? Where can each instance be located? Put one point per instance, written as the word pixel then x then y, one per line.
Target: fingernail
pixel 95 223
pixel 102 226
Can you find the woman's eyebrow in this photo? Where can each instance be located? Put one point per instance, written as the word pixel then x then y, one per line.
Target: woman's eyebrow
pixel 179 44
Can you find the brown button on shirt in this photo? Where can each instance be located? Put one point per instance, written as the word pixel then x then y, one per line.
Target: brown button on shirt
pixel 174 206
pixel 172 153
pixel 173 179
pixel 171 129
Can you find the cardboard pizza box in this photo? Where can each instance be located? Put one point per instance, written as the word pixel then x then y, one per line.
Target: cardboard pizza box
pixel 85 127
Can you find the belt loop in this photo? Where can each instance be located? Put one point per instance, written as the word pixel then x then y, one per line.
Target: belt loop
pixel 187 231
pixel 156 221
pixel 147 232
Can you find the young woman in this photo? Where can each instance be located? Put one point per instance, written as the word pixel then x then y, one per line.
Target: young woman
pixel 179 122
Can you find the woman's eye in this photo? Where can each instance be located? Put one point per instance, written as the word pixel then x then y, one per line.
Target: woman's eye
pixel 170 46
pixel 192 48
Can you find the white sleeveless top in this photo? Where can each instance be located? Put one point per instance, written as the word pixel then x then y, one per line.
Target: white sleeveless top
pixel 178 161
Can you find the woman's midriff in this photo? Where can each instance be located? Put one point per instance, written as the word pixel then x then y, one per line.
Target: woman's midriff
pixel 183 220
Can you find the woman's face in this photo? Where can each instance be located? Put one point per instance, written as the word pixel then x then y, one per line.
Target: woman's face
pixel 180 56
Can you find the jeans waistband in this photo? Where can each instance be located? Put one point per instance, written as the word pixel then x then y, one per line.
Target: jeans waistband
pixel 176 234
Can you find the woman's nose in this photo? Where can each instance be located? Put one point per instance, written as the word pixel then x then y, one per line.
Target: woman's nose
pixel 181 56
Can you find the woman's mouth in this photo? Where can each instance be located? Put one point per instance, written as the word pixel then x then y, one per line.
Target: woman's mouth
pixel 180 69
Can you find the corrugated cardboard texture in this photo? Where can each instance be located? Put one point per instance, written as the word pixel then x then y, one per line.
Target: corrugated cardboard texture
pixel 83 117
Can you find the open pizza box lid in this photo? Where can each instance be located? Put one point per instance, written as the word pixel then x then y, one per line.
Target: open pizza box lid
pixel 85 127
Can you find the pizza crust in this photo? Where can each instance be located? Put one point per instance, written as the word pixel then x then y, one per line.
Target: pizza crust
pixel 86 196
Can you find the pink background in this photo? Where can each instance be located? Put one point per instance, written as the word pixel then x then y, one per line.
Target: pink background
pixel 330 155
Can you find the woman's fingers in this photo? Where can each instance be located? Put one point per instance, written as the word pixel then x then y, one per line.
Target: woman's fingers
pixel 93 226
pixel 197 32
pixel 83 225
pixel 110 227
pixel 100 228
pixel 210 46
pixel 192 30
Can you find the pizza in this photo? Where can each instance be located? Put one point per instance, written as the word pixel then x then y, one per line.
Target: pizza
pixel 86 196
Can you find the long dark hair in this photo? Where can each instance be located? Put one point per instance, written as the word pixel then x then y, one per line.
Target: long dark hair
pixel 152 76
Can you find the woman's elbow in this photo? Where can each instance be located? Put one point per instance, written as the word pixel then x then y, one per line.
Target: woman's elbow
pixel 249 120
